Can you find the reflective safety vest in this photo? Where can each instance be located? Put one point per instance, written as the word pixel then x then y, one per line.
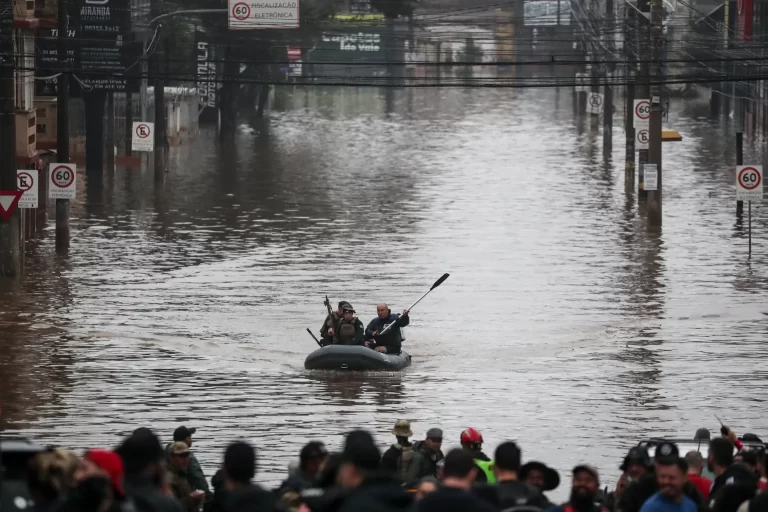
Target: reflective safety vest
pixel 486 466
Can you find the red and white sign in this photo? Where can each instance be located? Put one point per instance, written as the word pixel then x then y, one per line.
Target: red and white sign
pixel 143 136
pixel 261 14
pixel 749 183
pixel 9 199
pixel 26 182
pixel 63 181
pixel 642 114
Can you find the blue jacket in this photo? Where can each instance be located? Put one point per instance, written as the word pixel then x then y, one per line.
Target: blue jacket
pixel 392 339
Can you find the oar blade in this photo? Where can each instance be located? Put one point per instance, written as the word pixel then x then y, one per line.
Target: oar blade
pixel 440 281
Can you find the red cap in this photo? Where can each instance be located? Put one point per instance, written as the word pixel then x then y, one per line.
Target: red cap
pixel 110 462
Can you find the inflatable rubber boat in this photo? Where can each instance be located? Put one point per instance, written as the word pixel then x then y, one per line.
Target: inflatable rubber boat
pixel 355 358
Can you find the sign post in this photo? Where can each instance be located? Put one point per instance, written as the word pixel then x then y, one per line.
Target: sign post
pixel 749 187
pixel 142 139
pixel 63 183
pixel 26 182
pixel 642 137
pixel 642 114
pixel 9 199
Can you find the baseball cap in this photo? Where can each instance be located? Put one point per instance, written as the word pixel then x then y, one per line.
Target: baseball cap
pixel 434 433
pixel 347 307
pixel 179 448
pixel 666 452
pixel 592 470
pixel 636 454
pixel 182 433
pixel 344 304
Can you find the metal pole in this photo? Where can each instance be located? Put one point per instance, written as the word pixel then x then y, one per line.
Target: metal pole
pixel 654 144
pixel 110 135
pixel 62 127
pixel 750 229
pixel 144 72
pixel 643 92
pixel 629 128
pixel 739 161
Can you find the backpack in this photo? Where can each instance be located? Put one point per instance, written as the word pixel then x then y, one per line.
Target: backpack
pixel 404 460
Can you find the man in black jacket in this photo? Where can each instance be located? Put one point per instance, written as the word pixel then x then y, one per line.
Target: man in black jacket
pixel 426 455
pixel 371 489
pixel 509 490
pixel 239 492
pixel 454 496
pixel 391 341
pixel 727 474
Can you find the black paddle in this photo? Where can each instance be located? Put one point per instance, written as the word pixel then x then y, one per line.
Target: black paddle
pixel 437 283
pixel 314 337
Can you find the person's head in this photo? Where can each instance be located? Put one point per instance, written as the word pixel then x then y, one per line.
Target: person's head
pixel 434 440
pixel 471 440
pixel 179 455
pixel 184 434
pixel 539 475
pixel 142 455
pixel 105 463
pixel 636 464
pixel 671 475
pixel 507 461
pixel 360 457
pixel 584 488
pixel 460 469
pixel 239 464
pixel 749 459
pixel 343 304
pixel 426 485
pixel 402 430
pixel 51 474
pixel 702 434
pixel 348 313
pixel 382 311
pixel 720 455
pixel 695 462
pixel 312 458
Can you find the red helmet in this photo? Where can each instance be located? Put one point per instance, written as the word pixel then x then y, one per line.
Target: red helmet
pixel 471 436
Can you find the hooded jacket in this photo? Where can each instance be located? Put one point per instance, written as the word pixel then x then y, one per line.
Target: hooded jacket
pixel 379 492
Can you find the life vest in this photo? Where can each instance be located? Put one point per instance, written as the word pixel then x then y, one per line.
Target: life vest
pixel 404 460
pixel 346 332
pixel 486 466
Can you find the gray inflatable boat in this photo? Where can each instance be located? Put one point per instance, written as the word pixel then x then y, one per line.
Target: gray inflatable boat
pixel 355 358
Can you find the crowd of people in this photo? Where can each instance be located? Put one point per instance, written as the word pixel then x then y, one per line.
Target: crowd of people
pixel 140 475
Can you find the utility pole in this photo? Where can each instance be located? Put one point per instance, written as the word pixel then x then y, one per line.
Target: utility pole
pixel 128 119
pixel 110 135
pixel 739 161
pixel 608 90
pixel 62 126
pixel 657 40
pixel 10 231
pixel 159 93
pixel 643 91
pixel 629 126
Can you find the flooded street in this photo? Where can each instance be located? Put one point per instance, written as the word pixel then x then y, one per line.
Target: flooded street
pixel 564 325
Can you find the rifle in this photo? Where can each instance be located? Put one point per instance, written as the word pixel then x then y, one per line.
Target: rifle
pixel 330 315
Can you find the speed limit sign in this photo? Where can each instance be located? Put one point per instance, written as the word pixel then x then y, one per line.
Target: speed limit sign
pixel 62 181
pixel 642 114
pixel 749 183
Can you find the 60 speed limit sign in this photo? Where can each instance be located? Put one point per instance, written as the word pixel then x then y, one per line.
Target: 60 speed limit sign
pixel 749 183
pixel 62 181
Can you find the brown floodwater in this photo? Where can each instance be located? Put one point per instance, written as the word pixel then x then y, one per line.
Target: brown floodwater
pixel 565 324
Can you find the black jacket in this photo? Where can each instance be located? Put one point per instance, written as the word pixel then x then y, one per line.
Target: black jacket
pixel 381 491
pixel 450 499
pixel 737 473
pixel 147 497
pixel 424 464
pixel 392 338
pixel 508 494
pixel 250 498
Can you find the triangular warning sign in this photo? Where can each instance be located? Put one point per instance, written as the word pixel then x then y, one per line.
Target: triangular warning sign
pixel 9 199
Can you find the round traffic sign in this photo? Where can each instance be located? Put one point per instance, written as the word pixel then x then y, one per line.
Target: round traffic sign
pixel 749 178
pixel 143 131
pixel 643 110
pixel 595 100
pixel 24 181
pixel 241 11
pixel 62 176
pixel 643 136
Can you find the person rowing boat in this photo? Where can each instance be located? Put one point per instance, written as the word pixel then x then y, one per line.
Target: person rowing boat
pixel 384 333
